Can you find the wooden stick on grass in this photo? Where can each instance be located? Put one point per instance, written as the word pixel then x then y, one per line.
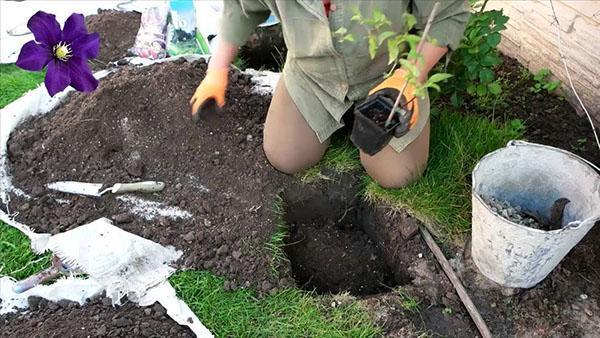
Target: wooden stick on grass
pixel 460 289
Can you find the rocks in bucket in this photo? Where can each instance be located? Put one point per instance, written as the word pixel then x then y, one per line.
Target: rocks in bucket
pixel 528 218
pixel 511 213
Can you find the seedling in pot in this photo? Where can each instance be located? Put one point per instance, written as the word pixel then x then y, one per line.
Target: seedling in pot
pixel 370 132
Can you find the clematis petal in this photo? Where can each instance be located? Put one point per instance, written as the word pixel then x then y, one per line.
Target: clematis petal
pixel 45 28
pixel 57 77
pixel 74 28
pixel 33 57
pixel 81 75
pixel 86 46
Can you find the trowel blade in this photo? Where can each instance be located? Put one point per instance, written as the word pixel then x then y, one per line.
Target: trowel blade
pixel 79 188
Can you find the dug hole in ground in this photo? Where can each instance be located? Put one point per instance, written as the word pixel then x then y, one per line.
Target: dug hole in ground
pixel 219 207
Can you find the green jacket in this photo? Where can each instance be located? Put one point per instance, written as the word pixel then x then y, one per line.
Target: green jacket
pixel 321 73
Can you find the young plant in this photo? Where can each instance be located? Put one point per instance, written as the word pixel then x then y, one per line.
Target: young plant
pixel 542 82
pixel 473 62
pixel 380 35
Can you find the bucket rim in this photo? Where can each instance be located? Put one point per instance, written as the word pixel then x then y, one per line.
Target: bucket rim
pixel 520 143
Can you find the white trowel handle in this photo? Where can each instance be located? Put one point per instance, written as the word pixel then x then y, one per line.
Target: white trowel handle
pixel 146 186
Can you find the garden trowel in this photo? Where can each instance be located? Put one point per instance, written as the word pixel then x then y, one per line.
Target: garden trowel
pixel 95 189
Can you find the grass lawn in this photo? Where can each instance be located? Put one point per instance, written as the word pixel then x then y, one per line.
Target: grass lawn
pixel 441 199
pixel 14 82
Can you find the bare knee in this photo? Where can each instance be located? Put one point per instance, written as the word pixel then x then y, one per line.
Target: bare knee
pixel 392 170
pixel 393 180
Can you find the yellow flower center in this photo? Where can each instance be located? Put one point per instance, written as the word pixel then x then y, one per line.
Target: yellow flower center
pixel 62 51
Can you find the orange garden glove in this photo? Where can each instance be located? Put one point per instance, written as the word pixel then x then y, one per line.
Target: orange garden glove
pixel 210 91
pixel 396 83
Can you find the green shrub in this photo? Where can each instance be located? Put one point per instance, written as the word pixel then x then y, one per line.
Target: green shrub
pixel 472 64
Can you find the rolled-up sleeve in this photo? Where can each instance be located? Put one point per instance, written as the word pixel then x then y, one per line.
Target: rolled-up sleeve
pixel 240 18
pixel 450 21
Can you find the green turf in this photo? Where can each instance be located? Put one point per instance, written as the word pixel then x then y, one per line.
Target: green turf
pixel 289 313
pixel 275 245
pixel 14 82
pixel 442 197
pixel 16 258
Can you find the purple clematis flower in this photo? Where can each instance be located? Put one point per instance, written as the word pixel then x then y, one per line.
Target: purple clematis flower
pixel 64 52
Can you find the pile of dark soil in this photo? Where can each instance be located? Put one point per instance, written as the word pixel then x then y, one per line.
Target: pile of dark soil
pixel 98 318
pixel 117 31
pixel 136 126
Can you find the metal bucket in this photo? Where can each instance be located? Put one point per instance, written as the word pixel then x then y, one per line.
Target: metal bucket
pixel 532 176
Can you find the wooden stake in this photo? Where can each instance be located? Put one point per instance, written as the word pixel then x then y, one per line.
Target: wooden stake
pixel 460 289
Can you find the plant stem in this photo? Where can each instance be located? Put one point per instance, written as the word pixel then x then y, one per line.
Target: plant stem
pixel 419 48
pixel 483 6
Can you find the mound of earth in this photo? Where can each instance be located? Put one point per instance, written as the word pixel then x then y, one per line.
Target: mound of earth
pixel 117 31
pixel 98 318
pixel 220 188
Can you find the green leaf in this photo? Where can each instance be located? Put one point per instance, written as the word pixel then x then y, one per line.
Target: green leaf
pixel 412 39
pixel 473 70
pixel 393 51
pixel 501 19
pixel 490 60
pixel 498 28
pixel 486 75
pixel 381 37
pixel 341 31
pixel 552 86
pixel 494 88
pixel 409 20
pixel 494 39
pixel 348 37
pixel 473 33
pixel 471 88
pixel 410 67
pixel 438 77
pixel 455 100
pixel 482 90
pixel 357 14
pixel 372 47
pixel 485 48
pixel 541 74
pixel 434 86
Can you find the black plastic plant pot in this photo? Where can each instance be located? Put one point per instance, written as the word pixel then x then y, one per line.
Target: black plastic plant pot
pixel 369 132
pixel 367 135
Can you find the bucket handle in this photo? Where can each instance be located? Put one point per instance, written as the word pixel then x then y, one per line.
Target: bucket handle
pixel 516 143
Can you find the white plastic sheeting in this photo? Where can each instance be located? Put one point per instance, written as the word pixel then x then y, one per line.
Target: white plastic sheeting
pixel 532 176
